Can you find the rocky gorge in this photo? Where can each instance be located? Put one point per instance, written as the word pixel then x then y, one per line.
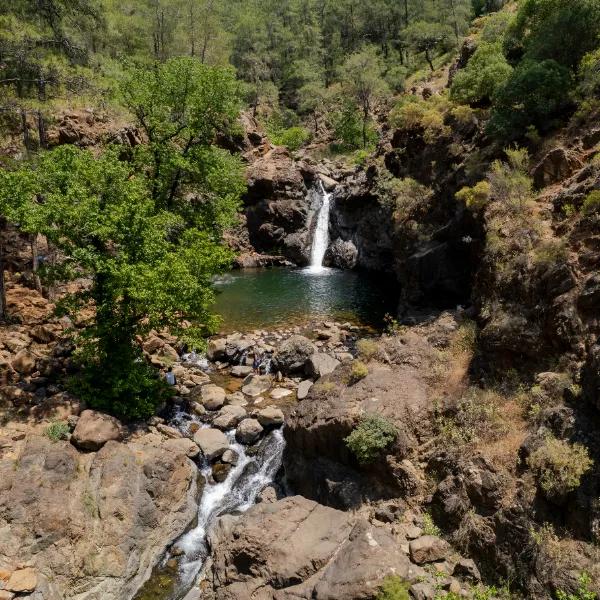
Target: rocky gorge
pixel 246 483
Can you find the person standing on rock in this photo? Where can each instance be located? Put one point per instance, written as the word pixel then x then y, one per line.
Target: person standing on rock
pixel 257 362
pixel 170 376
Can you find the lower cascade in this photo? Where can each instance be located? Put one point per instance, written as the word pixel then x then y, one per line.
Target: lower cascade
pixel 321 235
pixel 236 494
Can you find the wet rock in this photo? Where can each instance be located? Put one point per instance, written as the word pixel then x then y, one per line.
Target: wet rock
pixel 94 429
pixel 428 548
pixel 241 371
pixel 256 385
pixel 271 417
pixel 229 416
pixel 248 431
pixel 320 364
pixel 293 353
pixel 216 349
pixel 220 471
pixel 230 457
pixel 343 254
pixel 212 442
pixel 212 397
pixel 303 389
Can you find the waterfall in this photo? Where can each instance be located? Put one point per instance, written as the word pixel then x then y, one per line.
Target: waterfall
pixel 321 235
pixel 234 495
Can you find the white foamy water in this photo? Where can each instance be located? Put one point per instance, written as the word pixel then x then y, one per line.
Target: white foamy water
pixel 236 494
pixel 321 234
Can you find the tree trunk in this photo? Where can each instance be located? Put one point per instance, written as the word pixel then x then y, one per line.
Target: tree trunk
pixel 406 13
pixel 26 138
pixel 428 58
pixel 42 130
pixel 35 262
pixel 364 127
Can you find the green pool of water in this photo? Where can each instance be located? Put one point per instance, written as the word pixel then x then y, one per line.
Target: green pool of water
pixel 263 298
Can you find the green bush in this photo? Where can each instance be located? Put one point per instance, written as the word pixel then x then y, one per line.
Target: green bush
pixel 485 73
pixel 57 430
pixel 584 592
pixel 359 371
pixel 347 128
pixel 366 348
pixel 393 588
pixel 559 466
pixel 591 204
pixel 372 436
pixel 293 138
pixel 429 527
pixel 476 197
pixel 534 94
pixel 128 393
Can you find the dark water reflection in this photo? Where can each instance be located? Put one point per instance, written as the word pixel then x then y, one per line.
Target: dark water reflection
pixel 260 298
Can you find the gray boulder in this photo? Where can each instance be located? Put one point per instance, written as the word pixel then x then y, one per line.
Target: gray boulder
pixel 229 416
pixel 94 429
pixel 292 355
pixel 248 431
pixel 212 442
pixel 320 364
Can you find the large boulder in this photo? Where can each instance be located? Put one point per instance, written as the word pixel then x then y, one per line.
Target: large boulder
pixel 271 417
pixel 296 548
pixel 229 416
pixel 213 397
pixel 429 548
pixel 95 524
pixel 94 429
pixel 212 442
pixel 248 431
pixel 292 355
pixel 320 364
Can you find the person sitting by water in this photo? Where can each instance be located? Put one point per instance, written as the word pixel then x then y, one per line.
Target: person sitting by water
pixel 257 362
pixel 170 376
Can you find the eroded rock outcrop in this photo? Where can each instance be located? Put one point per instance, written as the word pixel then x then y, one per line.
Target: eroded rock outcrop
pixel 296 548
pixel 90 525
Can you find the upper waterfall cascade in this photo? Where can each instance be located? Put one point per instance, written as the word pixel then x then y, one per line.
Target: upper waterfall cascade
pixel 321 234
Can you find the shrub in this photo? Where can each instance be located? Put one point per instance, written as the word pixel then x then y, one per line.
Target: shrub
pixel 57 430
pixel 367 349
pixel 472 418
pixel 559 466
pixel 294 137
pixel 429 527
pixel 372 436
pixel 591 204
pixel 359 371
pixel 406 197
pixel 486 72
pixel 463 114
pixel 476 197
pixel 393 588
pixel 584 592
pixel 535 93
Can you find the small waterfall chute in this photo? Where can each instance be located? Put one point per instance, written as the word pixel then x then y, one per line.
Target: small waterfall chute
pixel 321 234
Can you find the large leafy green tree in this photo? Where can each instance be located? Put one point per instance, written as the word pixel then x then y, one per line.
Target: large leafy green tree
pixel 145 268
pixel 182 107
pixel 361 76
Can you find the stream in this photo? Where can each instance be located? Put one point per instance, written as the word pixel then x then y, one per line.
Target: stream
pixel 250 299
